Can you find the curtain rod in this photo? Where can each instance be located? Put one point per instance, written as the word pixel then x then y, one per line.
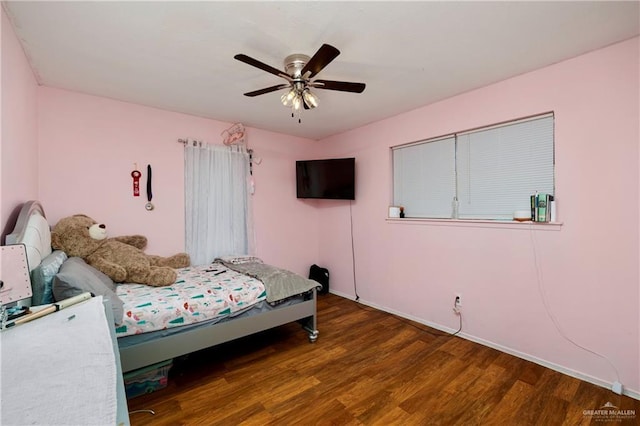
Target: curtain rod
pixel 199 143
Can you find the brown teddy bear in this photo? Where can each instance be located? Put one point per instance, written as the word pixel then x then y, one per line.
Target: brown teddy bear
pixel 121 258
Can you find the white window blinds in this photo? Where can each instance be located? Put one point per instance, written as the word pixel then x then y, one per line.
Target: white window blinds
pixel 492 171
pixel 424 178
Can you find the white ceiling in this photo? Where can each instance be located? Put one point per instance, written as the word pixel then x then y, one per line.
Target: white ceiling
pixel 178 56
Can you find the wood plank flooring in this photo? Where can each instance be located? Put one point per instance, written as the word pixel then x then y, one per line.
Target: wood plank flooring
pixel 368 368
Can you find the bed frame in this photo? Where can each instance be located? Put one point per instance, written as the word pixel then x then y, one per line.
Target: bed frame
pixel 142 354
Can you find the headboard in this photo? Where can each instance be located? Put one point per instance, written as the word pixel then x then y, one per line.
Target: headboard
pixel 33 231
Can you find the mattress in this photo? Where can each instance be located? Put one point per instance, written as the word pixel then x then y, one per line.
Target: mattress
pixel 257 309
pixel 201 293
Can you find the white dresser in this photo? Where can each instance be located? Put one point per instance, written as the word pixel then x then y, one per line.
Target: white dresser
pixel 63 369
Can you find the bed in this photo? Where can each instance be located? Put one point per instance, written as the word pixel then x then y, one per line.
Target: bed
pixel 141 348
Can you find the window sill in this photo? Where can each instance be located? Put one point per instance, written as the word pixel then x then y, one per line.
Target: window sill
pixel 478 223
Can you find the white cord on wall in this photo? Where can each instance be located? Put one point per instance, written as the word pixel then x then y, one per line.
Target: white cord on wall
pixel 353 254
pixel 617 386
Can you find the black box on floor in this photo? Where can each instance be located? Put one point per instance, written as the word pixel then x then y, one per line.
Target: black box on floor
pixel 320 275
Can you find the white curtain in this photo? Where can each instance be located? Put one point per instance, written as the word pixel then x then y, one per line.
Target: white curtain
pixel 217 201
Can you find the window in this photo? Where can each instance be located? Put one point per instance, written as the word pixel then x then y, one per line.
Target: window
pixel 491 171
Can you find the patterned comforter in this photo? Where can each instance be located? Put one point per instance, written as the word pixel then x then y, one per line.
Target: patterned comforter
pixel 200 293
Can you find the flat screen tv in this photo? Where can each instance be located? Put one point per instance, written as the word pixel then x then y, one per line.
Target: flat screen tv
pixel 329 179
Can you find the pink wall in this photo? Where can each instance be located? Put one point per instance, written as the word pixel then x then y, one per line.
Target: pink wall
pixel 18 153
pixel 589 267
pixel 88 147
pixel 286 228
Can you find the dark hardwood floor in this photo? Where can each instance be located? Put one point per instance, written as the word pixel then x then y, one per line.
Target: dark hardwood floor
pixel 369 367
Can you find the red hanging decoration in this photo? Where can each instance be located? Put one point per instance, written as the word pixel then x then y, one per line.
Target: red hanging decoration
pixel 136 175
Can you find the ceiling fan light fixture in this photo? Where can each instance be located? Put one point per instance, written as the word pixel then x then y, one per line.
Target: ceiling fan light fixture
pixel 287 98
pixel 299 71
pixel 310 98
pixel 297 102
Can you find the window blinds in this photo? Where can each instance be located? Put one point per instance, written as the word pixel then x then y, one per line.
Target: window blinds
pixel 492 171
pixel 424 178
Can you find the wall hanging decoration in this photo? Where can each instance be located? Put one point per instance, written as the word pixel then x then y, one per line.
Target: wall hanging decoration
pixel 136 175
pixel 234 135
pixel 149 206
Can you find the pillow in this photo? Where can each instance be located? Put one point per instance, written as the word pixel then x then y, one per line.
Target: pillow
pixel 76 277
pixel 42 278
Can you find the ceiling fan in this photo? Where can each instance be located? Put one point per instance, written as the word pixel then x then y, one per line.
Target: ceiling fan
pixel 300 71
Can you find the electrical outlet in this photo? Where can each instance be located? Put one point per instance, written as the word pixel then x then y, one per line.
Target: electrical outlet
pixel 457 304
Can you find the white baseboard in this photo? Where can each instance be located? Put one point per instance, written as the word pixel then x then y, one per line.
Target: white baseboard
pixel 559 368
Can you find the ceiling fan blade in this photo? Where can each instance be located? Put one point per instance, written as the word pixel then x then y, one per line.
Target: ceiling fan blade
pixel 321 59
pixel 343 86
pixel 267 90
pixel 261 65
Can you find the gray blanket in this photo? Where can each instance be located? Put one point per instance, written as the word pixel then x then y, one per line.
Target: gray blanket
pixel 279 283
